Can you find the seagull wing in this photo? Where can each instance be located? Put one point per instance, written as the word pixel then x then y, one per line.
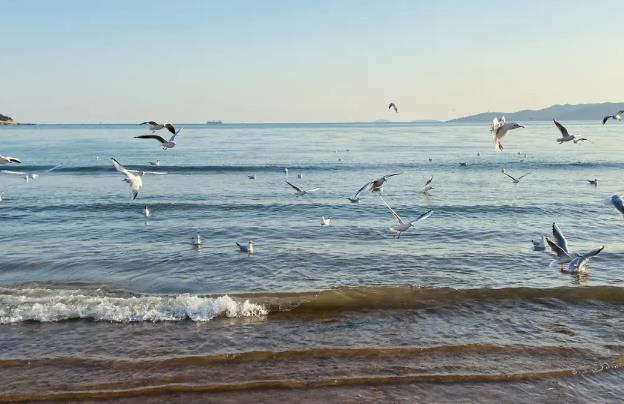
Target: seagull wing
pixel 295 187
pixel 12 172
pixel 361 189
pixel 429 181
pixel 510 176
pixel 605 119
pixel 148 123
pixel 422 217
pixel 170 128
pixel 122 169
pixel 620 112
pixel 522 176
pixel 174 135
pixel 52 169
pixel 391 175
pixel 578 263
pixel 137 172
pixel 562 129
pixel 559 252
pixel 157 137
pixel 392 212
pixel 312 190
pixel 560 238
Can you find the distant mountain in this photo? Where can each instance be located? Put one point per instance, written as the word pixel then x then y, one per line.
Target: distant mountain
pixel 567 112
pixel 5 118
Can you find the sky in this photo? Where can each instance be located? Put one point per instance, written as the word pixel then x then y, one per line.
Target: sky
pixel 82 61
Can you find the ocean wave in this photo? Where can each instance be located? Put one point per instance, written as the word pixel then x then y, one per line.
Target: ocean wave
pixel 58 304
pixel 50 305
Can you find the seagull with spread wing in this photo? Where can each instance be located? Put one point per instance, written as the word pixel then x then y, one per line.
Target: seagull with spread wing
pixel 576 262
pixel 428 187
pixel 30 176
pixel 8 160
pixel 566 137
pixel 135 180
pixel 514 179
pixel 301 192
pixel 617 117
pixel 166 144
pixel 394 107
pixel 402 226
pixel 499 129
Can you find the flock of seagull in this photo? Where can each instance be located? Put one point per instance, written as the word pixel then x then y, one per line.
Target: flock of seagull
pixel 570 262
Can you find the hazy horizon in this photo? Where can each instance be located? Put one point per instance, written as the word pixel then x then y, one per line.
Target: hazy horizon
pixel 279 62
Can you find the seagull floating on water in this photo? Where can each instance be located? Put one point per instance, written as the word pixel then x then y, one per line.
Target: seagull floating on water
pixel 539 245
pixel 617 116
pixel 593 182
pixel 428 187
pixel 499 129
pixel 325 221
pixel 166 144
pixel 155 163
pixel 248 249
pixel 401 226
pixel 285 171
pixel 252 177
pixel 394 107
pixel 197 240
pixel 146 211
pixel 463 164
pixel 514 179
pixel 301 192
pixel 8 160
pixel 576 262
pixel 30 176
pixel 300 176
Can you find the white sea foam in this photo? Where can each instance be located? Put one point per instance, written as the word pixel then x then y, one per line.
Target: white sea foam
pixel 45 305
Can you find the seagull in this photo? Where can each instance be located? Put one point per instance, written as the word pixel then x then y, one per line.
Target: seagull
pixel 617 116
pixel 402 226
pixel 135 180
pixel 1 195
pixel 565 136
pixel 499 129
pixel 7 160
pixel 593 182
pixel 197 240
pixel 394 107
pixel 428 187
pixel 377 185
pixel 301 192
pixel 539 245
pixel 463 164
pixel 618 202
pixel 252 177
pixel 166 144
pixel 30 176
pixel 155 163
pixel 285 171
pixel 248 249
pixel 154 126
pixel 576 262
pixel 514 179
pixel 146 211
pixel 300 176
pixel 325 221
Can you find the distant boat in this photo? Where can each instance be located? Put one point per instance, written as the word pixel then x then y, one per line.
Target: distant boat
pixel 214 123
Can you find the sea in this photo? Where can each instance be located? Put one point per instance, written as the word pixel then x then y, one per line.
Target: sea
pixel 98 301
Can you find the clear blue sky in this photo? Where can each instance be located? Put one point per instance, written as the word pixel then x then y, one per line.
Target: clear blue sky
pixel 303 61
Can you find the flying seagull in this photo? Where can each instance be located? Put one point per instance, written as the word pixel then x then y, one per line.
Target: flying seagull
pixel 401 226
pixel 301 192
pixel 30 176
pixel 514 179
pixel 617 116
pixel 135 180
pixel 325 221
pixel 576 262
pixel 428 187
pixel 7 160
pixel 248 249
pixel 155 163
pixel 377 185
pixel 166 144
pixel 566 137
pixel 593 182
pixel 394 107
pixel 499 129
pixel 154 126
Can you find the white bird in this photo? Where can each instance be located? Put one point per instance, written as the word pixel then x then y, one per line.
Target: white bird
pixel 566 137
pixel 146 211
pixel 325 221
pixel 154 126
pixel 1 195
pixel 301 192
pixel 248 249
pixel 197 240
pixel 394 107
pixel 300 176
pixel 617 116
pixel 499 129
pixel 166 144
pixel 539 245
pixel 378 184
pixel 135 180
pixel 514 179
pixel 593 182
pixel 7 160
pixel 402 226
pixel 155 163
pixel 285 171
pixel 576 262
pixel 428 187
pixel 30 176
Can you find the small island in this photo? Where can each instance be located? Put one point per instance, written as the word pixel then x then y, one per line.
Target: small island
pixel 7 120
pixel 214 123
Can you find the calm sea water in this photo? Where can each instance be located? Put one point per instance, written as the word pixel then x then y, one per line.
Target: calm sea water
pixel 98 301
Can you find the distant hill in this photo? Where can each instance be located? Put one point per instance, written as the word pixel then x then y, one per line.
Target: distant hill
pixel 5 118
pixel 567 112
